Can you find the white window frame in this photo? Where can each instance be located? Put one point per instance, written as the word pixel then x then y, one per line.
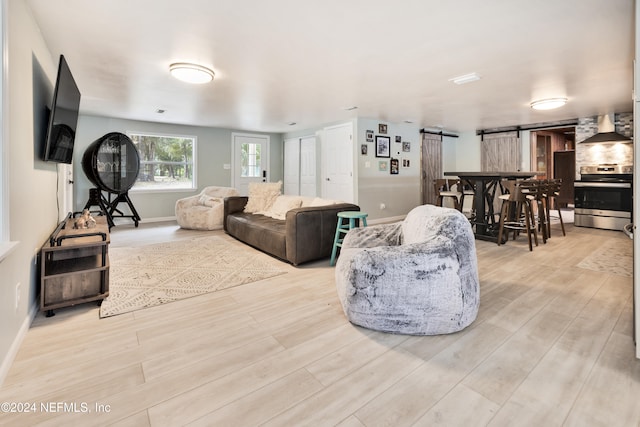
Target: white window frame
pixel 194 181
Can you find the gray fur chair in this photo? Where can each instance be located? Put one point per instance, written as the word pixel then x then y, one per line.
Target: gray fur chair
pixel 418 277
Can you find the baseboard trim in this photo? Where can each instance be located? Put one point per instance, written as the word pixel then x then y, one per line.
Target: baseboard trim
pixel 144 220
pixel 17 342
pixel 160 219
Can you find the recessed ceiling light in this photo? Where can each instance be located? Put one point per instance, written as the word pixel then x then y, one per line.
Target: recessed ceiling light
pixel 354 107
pixel 467 78
pixel 191 73
pixel 160 111
pixel 408 121
pixel 548 104
pixel 292 123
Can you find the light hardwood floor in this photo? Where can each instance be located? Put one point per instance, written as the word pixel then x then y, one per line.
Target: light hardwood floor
pixel 552 345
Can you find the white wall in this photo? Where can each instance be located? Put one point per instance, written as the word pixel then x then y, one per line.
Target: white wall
pixel 398 193
pixel 467 153
pixel 463 153
pixel 213 152
pixel 32 183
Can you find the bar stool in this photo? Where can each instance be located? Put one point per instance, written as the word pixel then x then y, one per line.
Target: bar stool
pixel 536 191
pixel 344 227
pixel 552 190
pixel 516 214
pixel 467 189
pixel 443 189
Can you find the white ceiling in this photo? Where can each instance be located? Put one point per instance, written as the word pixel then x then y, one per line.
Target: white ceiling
pixel 305 61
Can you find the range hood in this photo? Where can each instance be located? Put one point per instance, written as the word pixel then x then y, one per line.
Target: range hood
pixel 606 133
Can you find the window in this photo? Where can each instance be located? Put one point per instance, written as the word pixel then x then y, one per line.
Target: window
pixel 166 162
pixel 251 160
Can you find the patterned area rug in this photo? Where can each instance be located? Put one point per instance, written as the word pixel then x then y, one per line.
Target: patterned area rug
pixel 151 275
pixel 614 257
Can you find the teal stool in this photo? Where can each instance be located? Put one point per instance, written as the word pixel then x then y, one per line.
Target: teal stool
pixel 344 227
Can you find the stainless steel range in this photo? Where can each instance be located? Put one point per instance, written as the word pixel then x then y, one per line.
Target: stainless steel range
pixel 603 196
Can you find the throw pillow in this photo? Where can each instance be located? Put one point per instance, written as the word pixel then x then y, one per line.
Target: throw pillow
pixel 282 205
pixel 262 195
pixel 306 201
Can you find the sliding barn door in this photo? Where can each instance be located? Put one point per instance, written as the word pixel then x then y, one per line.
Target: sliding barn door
pixel 501 152
pixel 431 166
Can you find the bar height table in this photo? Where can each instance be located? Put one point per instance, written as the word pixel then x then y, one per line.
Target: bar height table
pixel 486 185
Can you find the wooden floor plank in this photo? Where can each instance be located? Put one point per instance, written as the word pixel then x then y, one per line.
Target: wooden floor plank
pixel 542 401
pixel 265 403
pixel 447 411
pixel 337 401
pixel 552 345
pixel 411 397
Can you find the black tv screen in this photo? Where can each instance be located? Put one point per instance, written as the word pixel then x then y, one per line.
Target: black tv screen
pixel 63 118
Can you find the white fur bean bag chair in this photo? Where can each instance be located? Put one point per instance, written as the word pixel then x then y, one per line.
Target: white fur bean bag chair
pixel 418 277
pixel 204 211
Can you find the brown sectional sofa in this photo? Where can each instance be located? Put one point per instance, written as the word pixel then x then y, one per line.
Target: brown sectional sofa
pixel 305 235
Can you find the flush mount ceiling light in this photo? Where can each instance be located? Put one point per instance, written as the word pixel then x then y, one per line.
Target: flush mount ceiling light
pixel 548 104
pixel 191 73
pixel 467 78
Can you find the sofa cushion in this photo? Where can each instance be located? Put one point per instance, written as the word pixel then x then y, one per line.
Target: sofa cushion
pixel 262 195
pixel 259 231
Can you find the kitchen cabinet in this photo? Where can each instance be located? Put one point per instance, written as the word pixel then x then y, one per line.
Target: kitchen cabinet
pixel 543 155
pixel 543 146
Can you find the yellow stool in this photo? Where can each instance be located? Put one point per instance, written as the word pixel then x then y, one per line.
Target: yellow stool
pixel 344 227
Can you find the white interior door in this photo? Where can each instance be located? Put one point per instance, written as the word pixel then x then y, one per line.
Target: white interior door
pixel 250 160
pixel 337 163
pixel 308 179
pixel 292 166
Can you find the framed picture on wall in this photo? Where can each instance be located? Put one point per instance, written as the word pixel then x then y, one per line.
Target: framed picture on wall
pixel 383 146
pixel 398 139
pixel 383 165
pixel 406 146
pixel 369 136
pixel 364 149
pixel 395 167
pixel 382 128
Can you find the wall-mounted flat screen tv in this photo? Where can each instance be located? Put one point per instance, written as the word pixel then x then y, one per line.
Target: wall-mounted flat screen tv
pixel 63 118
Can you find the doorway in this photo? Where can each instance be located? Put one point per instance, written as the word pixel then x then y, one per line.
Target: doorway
pixel 553 156
pixel 300 166
pixel 337 163
pixel 250 160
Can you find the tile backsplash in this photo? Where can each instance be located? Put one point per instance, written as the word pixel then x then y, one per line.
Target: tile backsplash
pixel 604 152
